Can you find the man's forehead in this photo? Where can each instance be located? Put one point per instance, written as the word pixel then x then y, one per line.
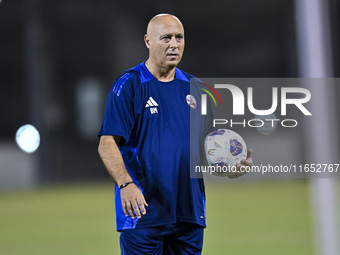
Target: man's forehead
pixel 163 29
pixel 170 27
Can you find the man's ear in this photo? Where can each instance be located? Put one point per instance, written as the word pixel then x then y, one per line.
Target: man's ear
pixel 147 41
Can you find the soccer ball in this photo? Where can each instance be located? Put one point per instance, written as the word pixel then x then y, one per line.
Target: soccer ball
pixel 224 149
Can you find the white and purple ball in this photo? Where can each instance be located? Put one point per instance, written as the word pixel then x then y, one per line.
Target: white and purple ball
pixel 224 149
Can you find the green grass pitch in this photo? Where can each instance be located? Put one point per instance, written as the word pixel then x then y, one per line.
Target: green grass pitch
pixel 243 217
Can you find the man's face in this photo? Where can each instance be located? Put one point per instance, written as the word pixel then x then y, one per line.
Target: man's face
pixel 165 41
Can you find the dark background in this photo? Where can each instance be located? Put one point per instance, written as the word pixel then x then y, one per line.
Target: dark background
pixel 47 48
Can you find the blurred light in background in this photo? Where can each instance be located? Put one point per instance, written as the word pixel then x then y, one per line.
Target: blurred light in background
pixel 89 107
pixel 28 138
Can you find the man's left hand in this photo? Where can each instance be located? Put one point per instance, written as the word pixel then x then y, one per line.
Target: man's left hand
pixel 243 166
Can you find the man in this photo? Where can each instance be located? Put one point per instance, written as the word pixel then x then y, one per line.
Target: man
pixel 159 208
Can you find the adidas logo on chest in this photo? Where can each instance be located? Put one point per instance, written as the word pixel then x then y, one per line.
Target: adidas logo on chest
pixel 152 104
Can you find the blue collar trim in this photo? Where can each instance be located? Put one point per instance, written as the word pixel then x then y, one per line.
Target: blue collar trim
pixel 146 76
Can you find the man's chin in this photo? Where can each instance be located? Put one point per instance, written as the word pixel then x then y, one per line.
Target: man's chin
pixel 172 63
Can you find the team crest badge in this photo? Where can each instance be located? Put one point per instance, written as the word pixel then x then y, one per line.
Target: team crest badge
pixel 191 101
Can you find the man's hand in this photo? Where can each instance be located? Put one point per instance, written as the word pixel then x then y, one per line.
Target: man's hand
pixel 133 201
pixel 245 163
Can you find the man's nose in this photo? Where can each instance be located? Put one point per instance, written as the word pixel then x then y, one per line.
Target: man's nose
pixel 173 42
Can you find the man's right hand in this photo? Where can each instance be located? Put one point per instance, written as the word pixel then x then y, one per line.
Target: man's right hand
pixel 133 201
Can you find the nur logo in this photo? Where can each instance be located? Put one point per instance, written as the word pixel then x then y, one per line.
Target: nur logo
pixel 204 98
pixel 301 97
pixel 238 99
